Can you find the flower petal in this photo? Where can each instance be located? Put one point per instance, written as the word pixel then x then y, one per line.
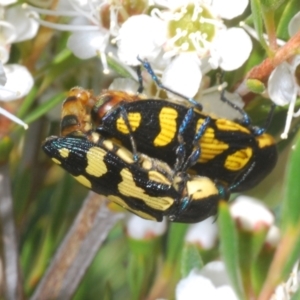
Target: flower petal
pixel 251 214
pixel 203 234
pixel 226 292
pixel 282 87
pixel 19 82
pixel 7 2
pixel 183 75
pixel 141 36
pixel 4 53
pixel 294 24
pixel 229 9
pixel 212 104
pixel 3 78
pixel 141 229
pixel 195 287
pixel 216 272
pixel 26 27
pixel 233 47
pixel 87 44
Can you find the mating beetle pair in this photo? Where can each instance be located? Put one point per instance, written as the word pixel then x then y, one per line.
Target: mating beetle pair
pixel 227 156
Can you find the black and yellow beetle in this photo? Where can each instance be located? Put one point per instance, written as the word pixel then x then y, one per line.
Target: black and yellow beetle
pixel 148 187
pixel 230 152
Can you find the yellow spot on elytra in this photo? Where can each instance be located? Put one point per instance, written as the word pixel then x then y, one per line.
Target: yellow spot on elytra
pixel 128 188
pixel 265 140
pixel 158 177
pixel 108 145
pixel 227 125
pixel 83 180
pixel 122 203
pixel 199 188
pixel 239 159
pixel 168 126
pixel 209 145
pixel 95 162
pixel 64 152
pixel 56 160
pixel 125 155
pixel 134 120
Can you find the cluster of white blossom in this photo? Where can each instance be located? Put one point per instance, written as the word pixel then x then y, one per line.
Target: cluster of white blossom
pixel 15 80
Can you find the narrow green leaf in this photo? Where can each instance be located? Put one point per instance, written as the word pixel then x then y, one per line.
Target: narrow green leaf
pixel 45 107
pixel 63 63
pixel 260 269
pixel 28 101
pixel 175 241
pixel 271 4
pixel 290 9
pixel 293 255
pixel 141 267
pixel 6 145
pixel 190 260
pixel 258 21
pixel 229 248
pixel 291 204
pixel 119 68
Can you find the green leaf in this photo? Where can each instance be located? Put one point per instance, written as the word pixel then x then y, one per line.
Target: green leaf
pixel 258 21
pixel 120 68
pixel 190 260
pixel 260 269
pixel 291 204
pixel 229 248
pixel 142 266
pixel 28 101
pixel 271 4
pixel 63 62
pixel 291 8
pixel 6 145
pixel 293 255
pixel 45 107
pixel 175 241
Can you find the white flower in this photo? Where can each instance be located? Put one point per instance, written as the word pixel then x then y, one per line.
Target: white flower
pixel 88 44
pixel 19 82
pixel 285 290
pixel 142 36
pixel 7 2
pixel 204 234
pixel 16 26
pixel 283 83
pixel 89 37
pixel 251 214
pixel 192 33
pixel 15 83
pixel 15 80
pixel 25 27
pixel 231 49
pixel 140 229
pixel 283 89
pixel 210 283
pixel 88 24
pixel 294 24
pixel 273 237
pixel 174 74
